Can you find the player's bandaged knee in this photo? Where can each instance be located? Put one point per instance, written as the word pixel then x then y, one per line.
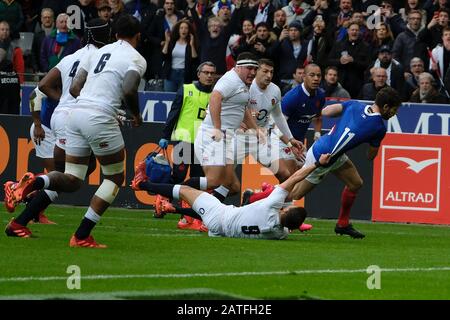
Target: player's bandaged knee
pixel 107 191
pixel 112 169
pixel 77 170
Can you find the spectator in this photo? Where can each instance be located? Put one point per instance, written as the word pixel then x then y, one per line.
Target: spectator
pixel 432 34
pixel 247 31
pixel 11 12
pixel 413 5
pixel 280 27
pixel 381 37
pixel 416 67
pixel 81 16
pixel 42 30
pixel 406 44
pixel 262 44
pixel 297 78
pixel 9 87
pixel 13 52
pixel 30 10
pixel 291 53
pixel 342 16
pixel 441 55
pixel 394 70
pixel 447 82
pixel 60 43
pixel 388 15
pixel 426 93
pixel 104 11
pixel 117 9
pixel 263 12
pixel 320 8
pixel 164 20
pixel 180 55
pixel 214 38
pixel 320 44
pixel 331 86
pixel 378 82
pixel 296 10
pixel 141 9
pixel 435 6
pixel 351 57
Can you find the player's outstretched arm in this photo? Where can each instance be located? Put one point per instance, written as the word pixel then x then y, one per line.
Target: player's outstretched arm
pixel 78 82
pixel 333 110
pixel 302 173
pixel 215 108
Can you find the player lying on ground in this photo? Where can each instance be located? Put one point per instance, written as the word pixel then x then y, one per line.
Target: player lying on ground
pixel 265 219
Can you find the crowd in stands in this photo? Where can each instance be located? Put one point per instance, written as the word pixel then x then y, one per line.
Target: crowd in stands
pixel 361 46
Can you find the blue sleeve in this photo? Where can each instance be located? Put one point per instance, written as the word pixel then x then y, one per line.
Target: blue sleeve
pixel 376 141
pixel 347 104
pixel 288 104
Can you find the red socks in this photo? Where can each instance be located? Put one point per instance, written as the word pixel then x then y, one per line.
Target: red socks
pixel 347 199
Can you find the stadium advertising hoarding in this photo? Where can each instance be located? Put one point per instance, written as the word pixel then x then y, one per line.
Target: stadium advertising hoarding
pixel 411 182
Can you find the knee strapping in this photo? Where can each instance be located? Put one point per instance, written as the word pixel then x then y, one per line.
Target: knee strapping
pixel 107 191
pixel 112 169
pixel 77 170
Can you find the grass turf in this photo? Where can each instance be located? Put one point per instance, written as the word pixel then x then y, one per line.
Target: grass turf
pixel 150 258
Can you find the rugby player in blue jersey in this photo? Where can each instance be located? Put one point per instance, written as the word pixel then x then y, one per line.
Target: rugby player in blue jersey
pixel 359 123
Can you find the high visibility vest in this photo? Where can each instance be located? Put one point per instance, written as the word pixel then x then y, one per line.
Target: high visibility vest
pixel 193 111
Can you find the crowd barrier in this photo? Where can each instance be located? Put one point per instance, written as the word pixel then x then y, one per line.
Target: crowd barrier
pixel 420 129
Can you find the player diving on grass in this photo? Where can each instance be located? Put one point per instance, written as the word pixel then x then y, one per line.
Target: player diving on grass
pixel 263 219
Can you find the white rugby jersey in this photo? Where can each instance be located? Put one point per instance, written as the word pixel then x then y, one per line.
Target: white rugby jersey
pixel 68 67
pixel 260 220
pixel 264 102
pixel 235 95
pixel 106 71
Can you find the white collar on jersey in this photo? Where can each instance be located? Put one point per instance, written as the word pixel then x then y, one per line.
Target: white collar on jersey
pixel 370 114
pixel 304 89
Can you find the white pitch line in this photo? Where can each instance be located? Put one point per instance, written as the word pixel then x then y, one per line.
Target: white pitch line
pixel 223 274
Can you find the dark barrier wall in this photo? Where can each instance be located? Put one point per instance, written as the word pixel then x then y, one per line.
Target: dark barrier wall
pixel 18 156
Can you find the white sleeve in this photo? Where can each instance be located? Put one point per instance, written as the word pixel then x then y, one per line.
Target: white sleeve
pixel 281 122
pixel 225 87
pixel 139 64
pixel 86 63
pixel 276 199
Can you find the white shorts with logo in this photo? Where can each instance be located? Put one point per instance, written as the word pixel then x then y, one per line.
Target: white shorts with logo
pixel 212 212
pixel 58 124
pixel 214 153
pixel 274 149
pixel 45 149
pixel 318 174
pixel 90 128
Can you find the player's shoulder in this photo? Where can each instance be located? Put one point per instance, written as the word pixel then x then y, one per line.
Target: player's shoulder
pixel 274 90
pixel 320 93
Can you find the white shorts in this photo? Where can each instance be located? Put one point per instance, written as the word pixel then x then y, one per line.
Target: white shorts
pixel 58 124
pixel 318 174
pixel 212 211
pixel 273 150
pixel 90 128
pixel 213 153
pixel 45 149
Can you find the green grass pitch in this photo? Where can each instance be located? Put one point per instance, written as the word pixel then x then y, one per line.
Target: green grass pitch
pixel 150 258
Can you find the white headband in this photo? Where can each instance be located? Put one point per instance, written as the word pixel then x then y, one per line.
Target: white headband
pixel 247 63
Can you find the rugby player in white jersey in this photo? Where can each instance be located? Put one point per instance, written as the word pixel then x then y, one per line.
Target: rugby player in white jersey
pixel 265 107
pixel 111 75
pixel 214 144
pixel 51 142
pixel 263 219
